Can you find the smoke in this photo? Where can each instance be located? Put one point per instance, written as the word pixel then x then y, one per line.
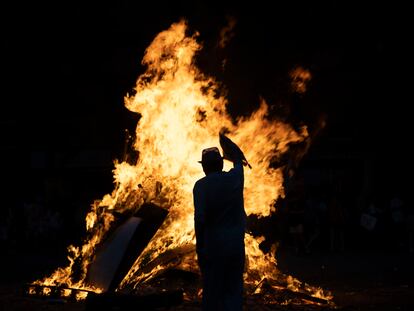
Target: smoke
pixel 227 32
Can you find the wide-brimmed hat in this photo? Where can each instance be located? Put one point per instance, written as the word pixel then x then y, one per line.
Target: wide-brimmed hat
pixel 211 154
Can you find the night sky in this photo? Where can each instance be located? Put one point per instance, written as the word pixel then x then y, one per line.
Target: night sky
pixel 66 67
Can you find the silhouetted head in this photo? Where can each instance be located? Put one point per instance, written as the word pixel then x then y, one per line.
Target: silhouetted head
pixel 211 160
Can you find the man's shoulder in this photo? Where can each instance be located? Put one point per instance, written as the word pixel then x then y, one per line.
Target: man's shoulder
pixel 209 179
pixel 200 182
pixel 236 171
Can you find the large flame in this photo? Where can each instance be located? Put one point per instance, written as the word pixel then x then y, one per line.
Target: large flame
pixel 182 112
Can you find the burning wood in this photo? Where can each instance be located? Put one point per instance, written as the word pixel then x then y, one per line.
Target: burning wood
pixel 119 252
pixel 114 256
pixel 56 292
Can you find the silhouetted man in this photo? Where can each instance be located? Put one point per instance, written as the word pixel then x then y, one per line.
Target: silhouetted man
pixel 220 222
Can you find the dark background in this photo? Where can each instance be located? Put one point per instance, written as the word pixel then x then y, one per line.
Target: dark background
pixel 66 67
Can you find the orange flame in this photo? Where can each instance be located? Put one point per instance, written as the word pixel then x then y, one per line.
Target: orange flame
pixel 182 112
pixel 300 78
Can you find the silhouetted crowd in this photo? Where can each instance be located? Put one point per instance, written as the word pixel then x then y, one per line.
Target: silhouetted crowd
pixel 328 219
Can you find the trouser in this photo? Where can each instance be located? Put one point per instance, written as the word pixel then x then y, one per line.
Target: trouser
pixel 222 282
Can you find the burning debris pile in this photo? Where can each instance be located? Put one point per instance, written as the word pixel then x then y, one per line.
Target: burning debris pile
pixel 181 112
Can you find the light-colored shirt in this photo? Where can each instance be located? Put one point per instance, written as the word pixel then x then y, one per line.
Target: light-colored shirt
pixel 219 216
